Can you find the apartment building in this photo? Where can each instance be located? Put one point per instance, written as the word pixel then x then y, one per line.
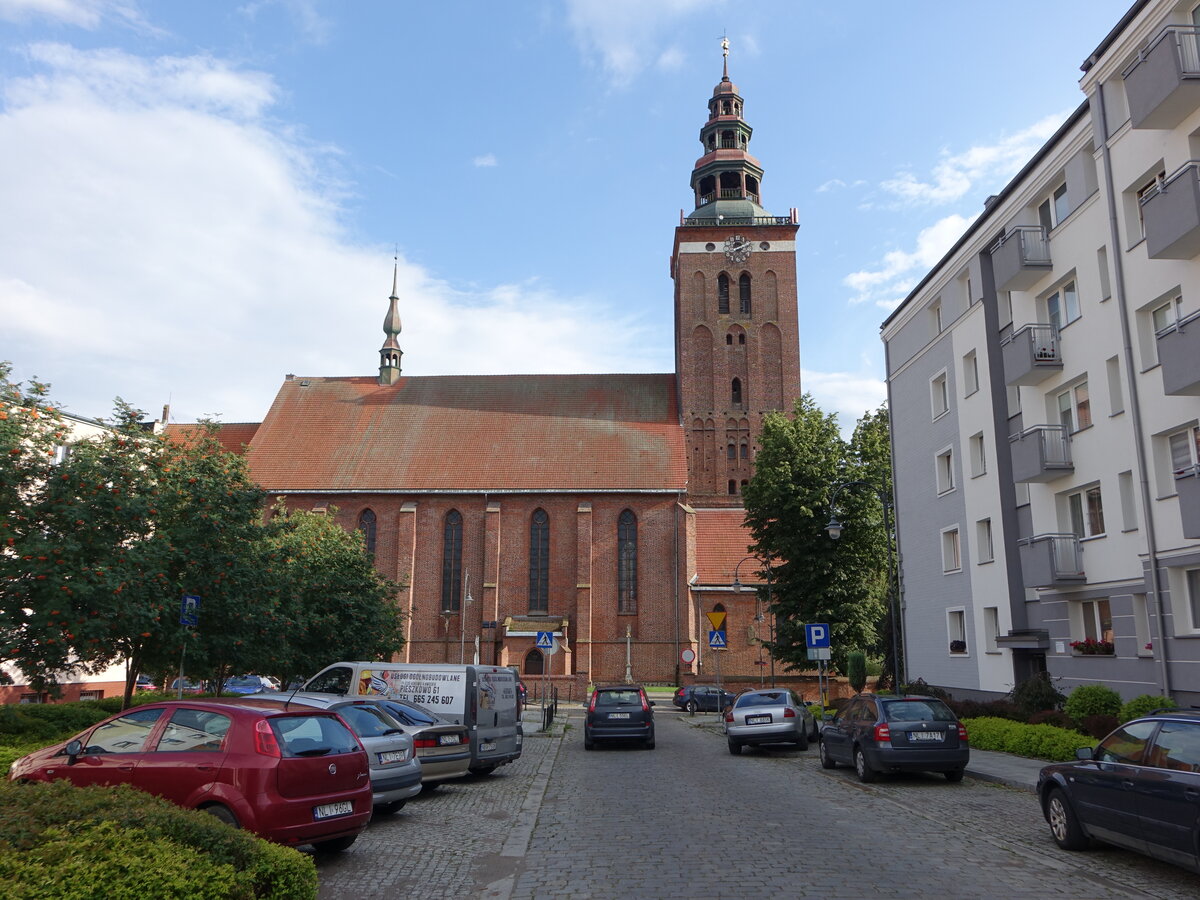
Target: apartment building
pixel 1044 387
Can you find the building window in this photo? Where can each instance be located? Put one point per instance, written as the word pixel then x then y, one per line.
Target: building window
pixel 1086 511
pixel 970 365
pixel 939 395
pixel 1185 448
pixel 744 294
pixel 366 525
pixel 956 630
pixel 935 316
pixel 723 294
pixel 1129 520
pixel 741 337
pixel 732 487
pixel 978 455
pixel 729 340
pixel 944 467
pixel 951 550
pixel 1075 408
pixel 731 451
pixel 1149 187
pixel 745 451
pixel 1054 208
pixel 1116 396
pixel 991 628
pixel 1141 626
pixel 91 695
pixel 1166 314
pixel 735 392
pixel 984 551
pixel 539 562
pixel 535 662
pixel 627 549
pixel 1096 620
pixel 452 530
pixel 1062 307
pixel 61 453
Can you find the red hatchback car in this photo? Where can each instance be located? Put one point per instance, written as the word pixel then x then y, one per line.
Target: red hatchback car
pixel 291 774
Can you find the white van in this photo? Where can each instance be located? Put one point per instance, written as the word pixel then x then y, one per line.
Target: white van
pixel 484 698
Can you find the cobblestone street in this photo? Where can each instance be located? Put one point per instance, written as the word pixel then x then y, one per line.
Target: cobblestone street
pixel 688 820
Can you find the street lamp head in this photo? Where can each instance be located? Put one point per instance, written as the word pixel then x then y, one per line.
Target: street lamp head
pixel 834 528
pixel 737 585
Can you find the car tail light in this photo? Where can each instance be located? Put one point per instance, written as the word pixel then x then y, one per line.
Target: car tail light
pixel 265 741
pixel 789 713
pixel 729 714
pixel 592 703
pixel 645 704
pixel 962 732
pixel 424 743
pixel 882 732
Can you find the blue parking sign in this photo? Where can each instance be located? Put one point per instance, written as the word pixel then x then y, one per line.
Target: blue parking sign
pixel 189 610
pixel 816 636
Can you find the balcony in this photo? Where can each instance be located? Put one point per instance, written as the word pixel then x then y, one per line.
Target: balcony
pixel 1041 453
pixel 1179 356
pixel 1163 83
pixel 1031 354
pixel 1171 215
pixel 1051 560
pixel 1021 258
pixel 1187 487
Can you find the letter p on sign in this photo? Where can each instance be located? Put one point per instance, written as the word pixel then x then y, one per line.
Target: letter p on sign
pixel 816 635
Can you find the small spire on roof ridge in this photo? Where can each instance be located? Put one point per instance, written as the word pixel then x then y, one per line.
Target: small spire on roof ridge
pixel 725 54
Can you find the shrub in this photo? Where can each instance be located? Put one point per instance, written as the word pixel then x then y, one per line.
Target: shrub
pixel 1099 726
pixel 1037 693
pixel 1035 741
pixel 920 687
pixel 1092 700
pixel 856 670
pixel 38 816
pixel 973 709
pixel 1143 705
pixel 1055 717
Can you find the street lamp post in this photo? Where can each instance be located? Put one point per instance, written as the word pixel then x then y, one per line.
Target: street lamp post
pixel 758 617
pixel 462 623
pixel 834 529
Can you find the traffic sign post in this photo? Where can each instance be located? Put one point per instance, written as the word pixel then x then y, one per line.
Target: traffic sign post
pixel 817 638
pixel 189 618
pixel 688 656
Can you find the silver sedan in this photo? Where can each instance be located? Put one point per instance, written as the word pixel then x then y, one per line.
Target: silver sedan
pixel 770 716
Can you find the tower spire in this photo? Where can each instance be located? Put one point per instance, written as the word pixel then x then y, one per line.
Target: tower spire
pixel 725 54
pixel 390 352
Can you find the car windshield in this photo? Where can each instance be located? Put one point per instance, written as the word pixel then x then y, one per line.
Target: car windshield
pixel 918 711
pixel 766 698
pixel 313 735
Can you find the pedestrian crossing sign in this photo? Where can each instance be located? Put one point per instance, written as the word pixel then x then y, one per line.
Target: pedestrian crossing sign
pixel 545 640
pixel 716 640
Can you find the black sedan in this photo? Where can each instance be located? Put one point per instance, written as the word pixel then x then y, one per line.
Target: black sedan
pixel 1139 789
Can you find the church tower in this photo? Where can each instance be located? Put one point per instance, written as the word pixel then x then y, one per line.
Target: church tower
pixel 737 340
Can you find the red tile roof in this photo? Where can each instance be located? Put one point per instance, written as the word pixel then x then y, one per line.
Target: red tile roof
pixel 473 433
pixel 722 541
pixel 233 436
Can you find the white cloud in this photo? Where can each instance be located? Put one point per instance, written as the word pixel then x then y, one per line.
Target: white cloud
pixel 886 283
pixel 954 176
pixel 87 14
pixel 486 161
pixel 162 241
pixel 626 34
pixel 848 394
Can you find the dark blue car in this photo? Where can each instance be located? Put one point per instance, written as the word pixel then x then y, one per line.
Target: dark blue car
pixel 703 697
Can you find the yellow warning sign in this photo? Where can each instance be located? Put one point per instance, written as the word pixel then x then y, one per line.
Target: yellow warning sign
pixel 717 619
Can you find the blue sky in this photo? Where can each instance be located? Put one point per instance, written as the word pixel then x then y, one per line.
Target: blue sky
pixel 201 197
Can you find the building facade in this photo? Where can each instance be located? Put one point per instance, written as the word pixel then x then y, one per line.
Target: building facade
pixel 1045 399
pixel 605 509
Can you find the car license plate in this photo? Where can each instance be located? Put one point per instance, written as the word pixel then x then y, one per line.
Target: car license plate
pixel 487 746
pixel 927 736
pixel 448 739
pixel 758 720
pixel 332 810
pixel 391 756
pixel 618 715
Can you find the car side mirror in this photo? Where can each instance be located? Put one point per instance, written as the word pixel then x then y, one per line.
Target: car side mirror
pixel 1085 753
pixel 651 702
pixel 73 749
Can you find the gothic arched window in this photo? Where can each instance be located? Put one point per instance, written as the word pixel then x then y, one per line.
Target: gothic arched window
pixel 744 294
pixel 627 539
pixel 723 294
pixel 452 562
pixel 735 392
pixel 534 662
pixel 366 524
pixel 539 562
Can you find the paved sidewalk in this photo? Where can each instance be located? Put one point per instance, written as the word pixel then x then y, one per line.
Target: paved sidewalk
pixel 1004 768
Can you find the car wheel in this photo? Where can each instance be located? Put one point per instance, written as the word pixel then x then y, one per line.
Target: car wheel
pixel 223 814
pixel 735 747
pixel 482 770
pixel 865 773
pixel 691 706
pixel 827 761
pixel 589 744
pixel 650 744
pixel 430 786
pixel 954 775
pixel 1064 825
pixel 392 808
pixel 337 845
pixel 802 744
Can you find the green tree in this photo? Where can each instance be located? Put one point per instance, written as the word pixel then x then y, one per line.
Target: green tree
pixel 816 579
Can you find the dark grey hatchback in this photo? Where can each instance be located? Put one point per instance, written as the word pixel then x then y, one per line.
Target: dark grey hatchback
pixel 888 733
pixel 1139 789
pixel 619 713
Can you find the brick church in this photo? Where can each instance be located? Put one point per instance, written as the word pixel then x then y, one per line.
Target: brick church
pixel 603 508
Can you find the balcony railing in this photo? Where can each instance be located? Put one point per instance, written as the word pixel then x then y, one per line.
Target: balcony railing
pixel 739 220
pixel 1171 214
pixel 1031 354
pixel 1179 356
pixel 1048 560
pixel 1162 84
pixel 1041 453
pixel 1021 257
pixel 1187 488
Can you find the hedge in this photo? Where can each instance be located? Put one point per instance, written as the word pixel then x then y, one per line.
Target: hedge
pixel 1046 742
pixel 58 841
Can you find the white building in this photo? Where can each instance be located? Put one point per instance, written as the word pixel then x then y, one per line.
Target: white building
pixel 1044 387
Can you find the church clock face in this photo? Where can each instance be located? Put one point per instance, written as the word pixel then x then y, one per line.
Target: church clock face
pixel 737 249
